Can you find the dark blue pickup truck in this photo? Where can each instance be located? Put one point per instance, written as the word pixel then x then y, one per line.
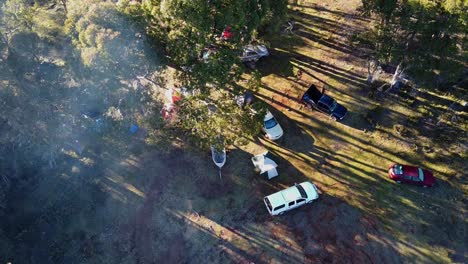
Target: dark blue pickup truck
pixel 323 103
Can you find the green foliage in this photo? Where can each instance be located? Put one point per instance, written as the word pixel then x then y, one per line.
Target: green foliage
pixel 103 35
pixel 133 11
pixel 220 69
pixel 426 35
pixel 208 120
pixel 383 8
pixel 209 116
pixel 48 87
pixel 16 16
pixel 24 47
pixel 185 28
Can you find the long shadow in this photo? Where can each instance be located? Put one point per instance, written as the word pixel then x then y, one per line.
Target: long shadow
pixel 75 195
pixel 321 8
pixel 326 43
pixel 275 61
pixel 293 222
pixel 311 22
pixel 71 217
pixel 326 127
pixel 381 190
pixel 307 60
pixel 359 180
pixel 339 76
pixel 354 102
pixel 290 221
pixel 328 70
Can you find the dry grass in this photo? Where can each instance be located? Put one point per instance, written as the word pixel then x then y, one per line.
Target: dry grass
pixel 124 202
pixel 349 160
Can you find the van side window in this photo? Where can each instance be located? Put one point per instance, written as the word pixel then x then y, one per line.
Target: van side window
pixel 300 200
pixel 278 207
pixel 291 203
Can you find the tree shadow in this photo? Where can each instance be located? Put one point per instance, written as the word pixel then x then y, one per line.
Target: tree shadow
pixel 276 63
pixel 321 8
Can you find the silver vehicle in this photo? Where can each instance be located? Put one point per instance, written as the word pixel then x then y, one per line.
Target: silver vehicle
pixel 252 53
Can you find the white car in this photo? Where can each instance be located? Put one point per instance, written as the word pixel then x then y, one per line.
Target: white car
pixel 291 198
pixel 271 127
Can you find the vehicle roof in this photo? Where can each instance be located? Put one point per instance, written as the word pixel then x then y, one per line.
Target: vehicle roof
pixel 284 196
pixel 327 99
pixel 291 194
pixel 410 170
pixel 413 171
pixel 276 199
pixel 255 48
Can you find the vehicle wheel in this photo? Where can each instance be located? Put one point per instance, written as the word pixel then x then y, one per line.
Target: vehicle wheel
pixel 398 181
pixel 334 118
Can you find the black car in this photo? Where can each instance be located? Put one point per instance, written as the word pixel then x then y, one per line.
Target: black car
pixel 323 103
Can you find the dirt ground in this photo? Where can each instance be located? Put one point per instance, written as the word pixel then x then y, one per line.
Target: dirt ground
pixel 179 214
pixel 122 201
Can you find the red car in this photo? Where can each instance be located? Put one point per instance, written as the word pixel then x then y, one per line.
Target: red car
pixel 411 174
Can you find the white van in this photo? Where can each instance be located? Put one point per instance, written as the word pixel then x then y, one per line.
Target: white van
pixel 291 198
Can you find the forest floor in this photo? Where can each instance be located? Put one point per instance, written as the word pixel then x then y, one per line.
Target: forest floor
pixel 122 201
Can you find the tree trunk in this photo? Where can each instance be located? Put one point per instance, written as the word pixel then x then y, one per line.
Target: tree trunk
pixel 7 47
pixel 64 3
pixel 372 67
pixel 396 76
pixel 397 73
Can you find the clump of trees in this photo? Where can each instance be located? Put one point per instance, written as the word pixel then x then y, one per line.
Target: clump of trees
pixel 17 15
pixel 183 29
pixel 106 59
pixel 48 84
pixel 423 37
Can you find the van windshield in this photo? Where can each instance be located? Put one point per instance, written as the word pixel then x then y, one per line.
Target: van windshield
pixel 268 204
pixel 301 191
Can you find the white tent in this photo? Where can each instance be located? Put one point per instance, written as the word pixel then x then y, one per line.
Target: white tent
pixel 265 164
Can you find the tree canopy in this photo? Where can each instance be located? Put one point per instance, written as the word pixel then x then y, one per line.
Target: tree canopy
pixel 428 36
pixel 185 29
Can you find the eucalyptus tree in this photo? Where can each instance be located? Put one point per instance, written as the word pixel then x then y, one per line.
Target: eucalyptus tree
pixel 184 30
pixel 15 16
pixel 420 36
